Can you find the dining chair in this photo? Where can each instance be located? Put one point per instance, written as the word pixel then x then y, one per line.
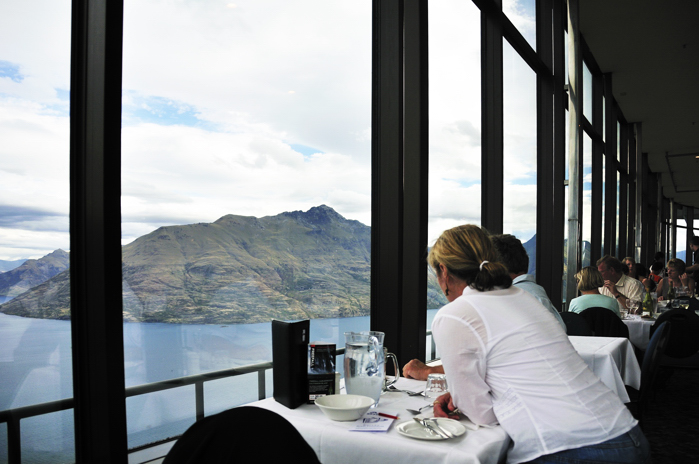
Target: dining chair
pixel 237 434
pixel 684 341
pixel 640 399
pixel 576 324
pixel 605 323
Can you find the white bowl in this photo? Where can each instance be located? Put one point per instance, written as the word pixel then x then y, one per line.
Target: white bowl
pixel 344 407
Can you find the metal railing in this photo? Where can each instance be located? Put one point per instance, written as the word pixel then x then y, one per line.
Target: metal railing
pixel 12 417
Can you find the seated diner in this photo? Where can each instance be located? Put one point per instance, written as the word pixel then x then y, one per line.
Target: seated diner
pixel 676 278
pixel 508 361
pixel 589 280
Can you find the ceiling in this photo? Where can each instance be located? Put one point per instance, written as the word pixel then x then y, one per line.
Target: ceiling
pixel 651 49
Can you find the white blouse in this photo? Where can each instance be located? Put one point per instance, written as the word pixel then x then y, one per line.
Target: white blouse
pixel 508 360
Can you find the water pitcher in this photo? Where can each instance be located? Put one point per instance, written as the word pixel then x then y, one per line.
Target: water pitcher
pixel 364 364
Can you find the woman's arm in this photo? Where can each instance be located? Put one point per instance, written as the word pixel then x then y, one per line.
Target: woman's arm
pixel 659 290
pixel 463 358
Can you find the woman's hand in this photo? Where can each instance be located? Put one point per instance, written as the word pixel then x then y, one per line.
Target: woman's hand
pixel 416 369
pixel 444 407
pixel 683 279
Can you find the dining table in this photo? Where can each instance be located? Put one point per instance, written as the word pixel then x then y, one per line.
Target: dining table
pixel 613 360
pixel 639 330
pixel 335 442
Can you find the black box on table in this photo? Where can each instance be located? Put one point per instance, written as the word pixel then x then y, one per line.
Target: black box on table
pixel 290 359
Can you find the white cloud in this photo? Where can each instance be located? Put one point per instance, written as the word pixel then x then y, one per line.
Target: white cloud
pixel 216 96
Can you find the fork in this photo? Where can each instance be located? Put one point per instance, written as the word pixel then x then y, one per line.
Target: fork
pixel 410 393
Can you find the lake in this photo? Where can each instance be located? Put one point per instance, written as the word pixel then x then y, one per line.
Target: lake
pixel 35 367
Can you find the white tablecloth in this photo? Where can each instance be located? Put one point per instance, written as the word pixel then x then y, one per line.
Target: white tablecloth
pixel 639 330
pixel 612 360
pixel 334 443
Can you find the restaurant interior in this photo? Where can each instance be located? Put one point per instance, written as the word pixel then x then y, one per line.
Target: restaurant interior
pixel 616 153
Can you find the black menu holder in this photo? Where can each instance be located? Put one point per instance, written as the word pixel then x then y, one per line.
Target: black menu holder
pixel 290 359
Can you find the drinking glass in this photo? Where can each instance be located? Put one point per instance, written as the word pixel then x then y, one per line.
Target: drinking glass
pixel 436 386
pixel 633 306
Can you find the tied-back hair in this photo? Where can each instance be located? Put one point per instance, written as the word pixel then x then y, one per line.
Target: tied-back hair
pixel 461 250
pixel 589 278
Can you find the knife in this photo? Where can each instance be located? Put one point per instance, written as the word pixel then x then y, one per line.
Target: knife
pixel 439 427
pixel 429 427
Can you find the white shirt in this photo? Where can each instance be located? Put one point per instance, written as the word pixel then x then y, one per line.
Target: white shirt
pixel 508 360
pixel 527 282
pixel 631 288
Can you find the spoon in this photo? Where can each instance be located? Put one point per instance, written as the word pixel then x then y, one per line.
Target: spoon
pixel 418 411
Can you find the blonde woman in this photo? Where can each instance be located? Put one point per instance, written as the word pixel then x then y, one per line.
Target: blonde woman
pixel 508 361
pixel 589 280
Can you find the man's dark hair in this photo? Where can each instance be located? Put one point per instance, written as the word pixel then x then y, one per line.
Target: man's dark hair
pixel 612 263
pixel 512 253
pixel 694 240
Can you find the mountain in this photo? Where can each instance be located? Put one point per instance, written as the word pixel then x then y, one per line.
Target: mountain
pixel 32 273
pixel 9 265
pixel 238 269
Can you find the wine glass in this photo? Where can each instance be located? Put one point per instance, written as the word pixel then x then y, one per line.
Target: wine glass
pixel 633 306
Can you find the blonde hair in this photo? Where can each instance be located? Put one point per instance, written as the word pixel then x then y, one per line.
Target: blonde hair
pixel 589 278
pixel 469 255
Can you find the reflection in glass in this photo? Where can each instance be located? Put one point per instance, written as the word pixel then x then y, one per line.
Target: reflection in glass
pixel 246 190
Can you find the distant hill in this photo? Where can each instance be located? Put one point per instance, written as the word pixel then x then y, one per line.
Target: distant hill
pixel 239 269
pixel 32 273
pixel 9 265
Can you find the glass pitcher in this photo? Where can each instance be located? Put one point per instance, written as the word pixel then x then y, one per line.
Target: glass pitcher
pixel 364 364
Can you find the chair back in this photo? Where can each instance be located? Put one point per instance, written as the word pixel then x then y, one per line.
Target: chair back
pixel 231 436
pixel 651 359
pixel 605 323
pixel 684 340
pixel 576 324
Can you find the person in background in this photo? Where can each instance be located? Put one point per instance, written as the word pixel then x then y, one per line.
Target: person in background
pixel 630 264
pixel 676 277
pixel 508 361
pixel 643 276
pixel 694 268
pixel 514 257
pixel 616 284
pixel 589 280
pixel 656 272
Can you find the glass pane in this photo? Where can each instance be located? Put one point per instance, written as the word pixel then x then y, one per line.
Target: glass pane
pixel 522 13
pixel 618 211
pixel 682 241
pixel 455 125
pixel 587 93
pixel 35 352
pixel 586 200
pixel 604 199
pixel 519 151
pixel 246 189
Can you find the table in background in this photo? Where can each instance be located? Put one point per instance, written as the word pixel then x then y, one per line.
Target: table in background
pixel 334 443
pixel 612 360
pixel 639 330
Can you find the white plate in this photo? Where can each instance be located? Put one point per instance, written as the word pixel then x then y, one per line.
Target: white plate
pixel 414 430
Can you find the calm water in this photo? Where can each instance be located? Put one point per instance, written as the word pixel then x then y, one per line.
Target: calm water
pixel 35 362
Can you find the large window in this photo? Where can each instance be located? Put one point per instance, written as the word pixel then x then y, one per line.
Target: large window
pixel 519 151
pixel 246 191
pixel 35 352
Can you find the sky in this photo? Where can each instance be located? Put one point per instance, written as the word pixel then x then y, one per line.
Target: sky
pixel 248 107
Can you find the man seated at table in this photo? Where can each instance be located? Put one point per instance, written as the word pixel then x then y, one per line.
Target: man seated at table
pixel 616 284
pixel 515 258
pixel 589 280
